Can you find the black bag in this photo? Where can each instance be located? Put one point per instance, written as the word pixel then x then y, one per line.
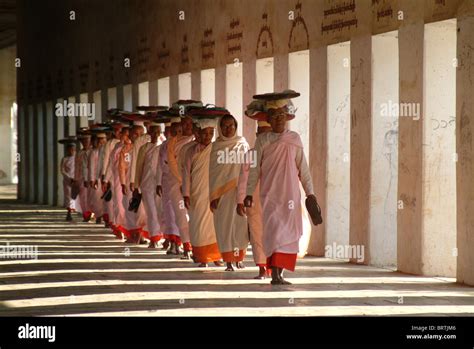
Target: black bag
pixel 75 189
pixel 107 196
pixel 135 203
pixel 314 210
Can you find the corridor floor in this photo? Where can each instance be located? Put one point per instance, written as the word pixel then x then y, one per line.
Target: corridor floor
pixel 81 269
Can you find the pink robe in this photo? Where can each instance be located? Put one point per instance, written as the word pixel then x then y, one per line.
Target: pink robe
pixel 134 221
pixel 281 165
pixel 254 217
pixel 104 156
pixel 94 194
pixel 80 175
pixel 67 170
pixel 174 210
pixel 146 181
pixel 112 177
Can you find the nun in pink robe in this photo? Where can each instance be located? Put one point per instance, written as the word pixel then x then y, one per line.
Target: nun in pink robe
pixel 281 166
pixel 113 179
pixel 134 221
pixel 95 189
pixel 104 164
pixel 254 213
pixel 169 178
pixel 231 228
pixel 80 176
pixel 145 180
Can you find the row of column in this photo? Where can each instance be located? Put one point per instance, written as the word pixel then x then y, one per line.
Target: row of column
pixel 415 239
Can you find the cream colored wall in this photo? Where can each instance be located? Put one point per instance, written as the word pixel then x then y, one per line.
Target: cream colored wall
pixel 384 154
pixel 439 145
pixel 7 98
pixel 338 146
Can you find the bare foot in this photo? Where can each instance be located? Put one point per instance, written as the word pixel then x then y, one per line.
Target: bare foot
pixel 152 244
pixel 172 248
pixel 277 282
pixel 219 263
pixel 187 255
pixel 229 267
pixel 202 265
pixel 178 250
pixel 240 265
pixel 277 277
pixel 261 274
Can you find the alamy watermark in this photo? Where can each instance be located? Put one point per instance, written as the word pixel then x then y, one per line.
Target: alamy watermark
pixel 237 157
pixel 18 251
pixel 37 332
pixel 336 251
pixel 75 110
pixel 395 110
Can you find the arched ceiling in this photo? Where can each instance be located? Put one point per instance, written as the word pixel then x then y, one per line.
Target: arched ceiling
pixel 7 23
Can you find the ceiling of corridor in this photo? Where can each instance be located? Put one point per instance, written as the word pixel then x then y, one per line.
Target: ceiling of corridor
pixel 7 23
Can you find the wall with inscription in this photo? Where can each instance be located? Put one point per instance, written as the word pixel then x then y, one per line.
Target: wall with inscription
pixel 103 46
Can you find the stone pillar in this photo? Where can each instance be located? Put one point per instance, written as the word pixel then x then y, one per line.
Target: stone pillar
pixel 144 93
pixel 135 98
pixel 439 148
pixel 184 86
pixel 7 98
pixel 338 144
pixel 30 153
pixel 112 97
pixel 60 128
pixel 90 99
pixel 208 86
pixel 55 149
pixel 35 153
pixel 361 142
pixel 164 91
pixel 49 153
pixel 174 89
pixel 127 97
pixel 220 86
pixel 22 139
pixel 97 100
pixel 71 121
pixel 120 104
pixel 153 92
pixel 317 156
pixel 196 85
pixel 465 147
pixel 384 153
pixel 82 121
pixel 249 79
pixel 104 100
pixel 410 150
pixel 280 65
pixel 45 136
pixel 234 89
pixel 78 120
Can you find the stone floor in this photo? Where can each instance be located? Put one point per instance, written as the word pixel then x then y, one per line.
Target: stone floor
pixel 83 270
